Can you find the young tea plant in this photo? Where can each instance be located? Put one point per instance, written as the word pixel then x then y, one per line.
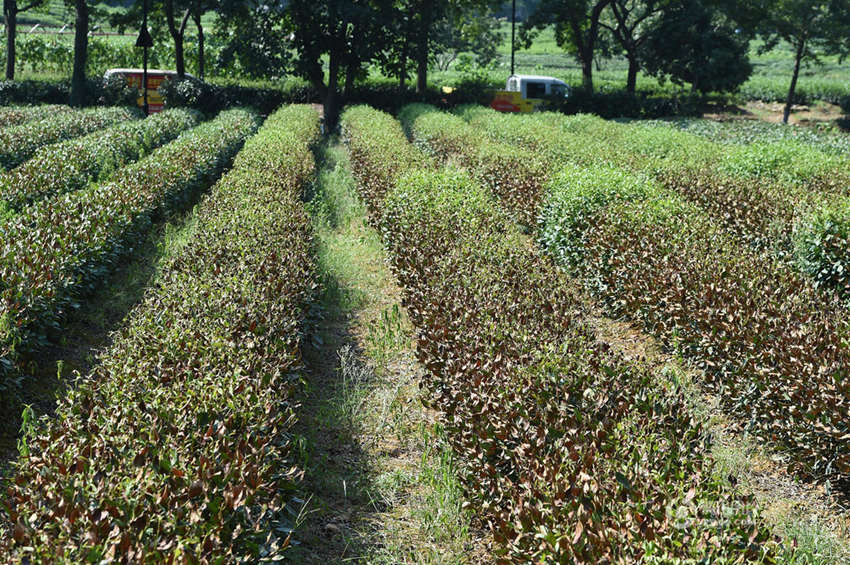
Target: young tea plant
pixel 27 430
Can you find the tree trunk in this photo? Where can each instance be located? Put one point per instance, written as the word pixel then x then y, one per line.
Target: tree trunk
pixel 402 58
pixel 352 62
pixel 587 70
pixel 349 79
pixel 331 103
pixel 81 46
pixel 197 18
pixel 402 73
pixel 423 49
pixel 179 61
pixel 801 48
pixel 10 12
pixel 631 81
pixel 177 36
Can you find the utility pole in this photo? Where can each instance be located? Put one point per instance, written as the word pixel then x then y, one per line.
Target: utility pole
pixel 144 41
pixel 513 33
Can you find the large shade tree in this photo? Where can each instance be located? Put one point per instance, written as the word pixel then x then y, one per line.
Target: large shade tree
pixel 253 37
pixel 632 23
pixel 577 26
pixel 813 28
pixel 696 42
pixel 345 33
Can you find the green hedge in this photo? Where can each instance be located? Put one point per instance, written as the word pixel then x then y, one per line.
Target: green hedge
pixel 514 174
pixel 772 346
pixel 57 249
pixel 825 137
pixel 765 194
pixel 16 115
pixel 19 143
pixel 70 165
pixel 177 446
pixel 749 320
pixel 364 139
pixel 568 453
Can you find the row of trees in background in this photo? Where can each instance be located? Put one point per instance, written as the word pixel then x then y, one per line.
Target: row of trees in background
pixel 704 43
pixel 333 43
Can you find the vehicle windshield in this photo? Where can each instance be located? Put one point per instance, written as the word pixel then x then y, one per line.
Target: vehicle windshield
pixel 559 90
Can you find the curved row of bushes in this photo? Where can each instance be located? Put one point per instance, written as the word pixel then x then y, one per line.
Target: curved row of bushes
pixel 71 165
pixel 175 448
pixel 782 196
pixel 568 452
pixel 19 143
pixel 513 173
pixel 15 115
pixel 771 343
pixel 57 249
pixel 774 348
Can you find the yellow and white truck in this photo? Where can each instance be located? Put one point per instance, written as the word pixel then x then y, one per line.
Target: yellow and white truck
pixel 525 93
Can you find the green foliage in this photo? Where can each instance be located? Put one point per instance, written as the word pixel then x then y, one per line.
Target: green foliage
pixel 250 42
pixel 694 43
pixel 366 132
pixel 16 115
pixel 476 34
pixel 560 443
pixel 512 174
pixel 19 143
pixel 62 247
pixel 824 137
pixel 27 431
pixel 37 53
pixel 822 245
pixel 756 192
pixel 788 161
pixel 574 196
pixel 737 313
pixel 750 321
pixel 178 445
pixel 70 165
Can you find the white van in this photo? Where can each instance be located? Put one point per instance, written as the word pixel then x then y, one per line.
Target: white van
pixel 533 86
pixel 527 93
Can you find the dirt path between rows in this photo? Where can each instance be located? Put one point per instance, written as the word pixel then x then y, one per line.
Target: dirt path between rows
pixel 379 486
pixel 809 514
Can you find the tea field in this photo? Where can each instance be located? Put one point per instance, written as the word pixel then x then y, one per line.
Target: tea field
pixel 512 239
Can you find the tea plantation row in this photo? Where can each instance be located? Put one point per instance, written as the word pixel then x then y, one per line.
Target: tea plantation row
pixel 59 248
pixel 773 345
pixel 176 446
pixel 568 452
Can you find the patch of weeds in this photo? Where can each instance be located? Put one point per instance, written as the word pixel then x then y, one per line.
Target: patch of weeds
pixel 353 391
pixel 386 337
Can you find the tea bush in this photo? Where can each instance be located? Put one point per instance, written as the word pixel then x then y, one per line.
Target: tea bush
pixel 70 165
pixel 57 249
pixel 568 452
pixel 19 143
pixel 773 347
pixel 177 446
pixel 15 115
pixel 752 323
pixel 761 194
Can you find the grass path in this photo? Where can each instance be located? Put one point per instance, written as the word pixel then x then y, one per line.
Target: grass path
pixel 810 517
pixel 379 480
